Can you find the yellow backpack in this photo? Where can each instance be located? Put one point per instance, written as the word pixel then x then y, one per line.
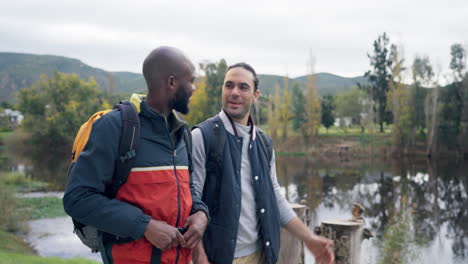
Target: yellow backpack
pixel 82 136
pixel 129 142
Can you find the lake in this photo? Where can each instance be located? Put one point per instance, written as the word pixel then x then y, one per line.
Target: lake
pixel 422 205
pixel 417 209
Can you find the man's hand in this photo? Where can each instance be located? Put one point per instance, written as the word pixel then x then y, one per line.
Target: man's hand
pixel 199 255
pixel 196 224
pixel 322 248
pixel 162 235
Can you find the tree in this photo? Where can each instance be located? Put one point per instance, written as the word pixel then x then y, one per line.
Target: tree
pixel 398 95
pixel 328 108
pixel 422 77
pixel 463 138
pixel 285 108
pixel 214 73
pixel 450 111
pixel 432 119
pixel 6 105
pixel 351 104
pixel 199 107
pixel 458 61
pixel 55 108
pixel 379 77
pixel 313 107
pixel 298 107
pixel 458 65
pixel 261 109
pixel 422 71
pixel 274 115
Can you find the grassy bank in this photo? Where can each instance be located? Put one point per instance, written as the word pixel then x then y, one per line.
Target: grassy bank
pixel 42 207
pixel 3 135
pixel 350 143
pixel 15 258
pixel 19 182
pixel 34 208
pixel 15 211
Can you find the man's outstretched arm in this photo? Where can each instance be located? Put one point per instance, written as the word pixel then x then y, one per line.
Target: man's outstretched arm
pixel 321 247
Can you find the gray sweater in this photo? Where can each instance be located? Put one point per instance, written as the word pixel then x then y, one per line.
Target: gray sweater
pixel 247 236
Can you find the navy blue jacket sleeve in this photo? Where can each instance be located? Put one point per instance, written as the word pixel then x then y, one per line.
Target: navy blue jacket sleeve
pixel 84 198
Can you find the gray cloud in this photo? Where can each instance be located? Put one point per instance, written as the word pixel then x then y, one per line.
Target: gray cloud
pixel 275 36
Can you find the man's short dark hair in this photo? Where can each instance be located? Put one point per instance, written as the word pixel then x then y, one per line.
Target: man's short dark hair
pixel 249 68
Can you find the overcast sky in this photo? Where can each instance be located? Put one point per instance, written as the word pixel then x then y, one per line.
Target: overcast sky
pixel 276 37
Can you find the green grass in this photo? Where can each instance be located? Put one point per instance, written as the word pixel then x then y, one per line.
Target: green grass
pixel 290 154
pixel 43 207
pixel 20 182
pixel 15 258
pixel 4 134
pixel 12 218
pixel 13 250
pixel 352 131
pixel 13 244
pixel 35 208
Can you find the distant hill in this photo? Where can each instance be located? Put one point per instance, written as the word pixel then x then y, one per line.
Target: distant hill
pixel 327 83
pixel 22 70
pixel 19 70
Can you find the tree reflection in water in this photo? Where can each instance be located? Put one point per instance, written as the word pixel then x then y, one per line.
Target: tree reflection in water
pixel 434 193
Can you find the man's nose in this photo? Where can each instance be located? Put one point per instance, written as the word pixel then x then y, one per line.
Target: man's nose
pixel 236 91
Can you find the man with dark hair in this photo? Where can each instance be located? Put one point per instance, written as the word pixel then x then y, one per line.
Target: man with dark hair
pixel 141 223
pixel 235 173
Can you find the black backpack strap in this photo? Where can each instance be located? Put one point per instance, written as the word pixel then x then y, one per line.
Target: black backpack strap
pixel 265 143
pixel 129 142
pixel 214 138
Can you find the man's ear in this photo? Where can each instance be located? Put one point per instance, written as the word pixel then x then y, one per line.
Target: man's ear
pixel 172 83
pixel 256 96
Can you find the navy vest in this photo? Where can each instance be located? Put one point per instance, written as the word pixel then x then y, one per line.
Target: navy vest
pixel 222 194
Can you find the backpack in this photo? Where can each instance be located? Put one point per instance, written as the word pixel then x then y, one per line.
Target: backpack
pixel 129 142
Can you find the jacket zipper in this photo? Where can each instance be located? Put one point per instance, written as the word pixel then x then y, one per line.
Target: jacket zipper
pixel 178 186
pixel 178 201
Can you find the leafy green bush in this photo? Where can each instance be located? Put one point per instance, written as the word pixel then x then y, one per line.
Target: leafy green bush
pixel 12 218
pixel 398 241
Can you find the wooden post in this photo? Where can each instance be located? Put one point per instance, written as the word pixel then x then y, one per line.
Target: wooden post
pixel 347 236
pixel 291 251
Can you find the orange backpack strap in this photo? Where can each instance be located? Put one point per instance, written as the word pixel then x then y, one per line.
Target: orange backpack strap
pixel 83 134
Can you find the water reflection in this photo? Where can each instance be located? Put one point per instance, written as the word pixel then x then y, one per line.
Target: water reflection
pixel 430 196
pixel 53 237
pixel 433 194
pixel 44 166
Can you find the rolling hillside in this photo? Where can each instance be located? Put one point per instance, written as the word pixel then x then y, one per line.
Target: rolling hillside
pixel 19 70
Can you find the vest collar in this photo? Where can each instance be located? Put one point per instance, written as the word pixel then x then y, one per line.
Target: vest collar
pixel 229 126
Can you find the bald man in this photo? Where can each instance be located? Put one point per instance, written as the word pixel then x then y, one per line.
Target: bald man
pixel 143 223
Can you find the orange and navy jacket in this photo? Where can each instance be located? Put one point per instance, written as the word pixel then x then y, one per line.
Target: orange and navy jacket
pixel 158 187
